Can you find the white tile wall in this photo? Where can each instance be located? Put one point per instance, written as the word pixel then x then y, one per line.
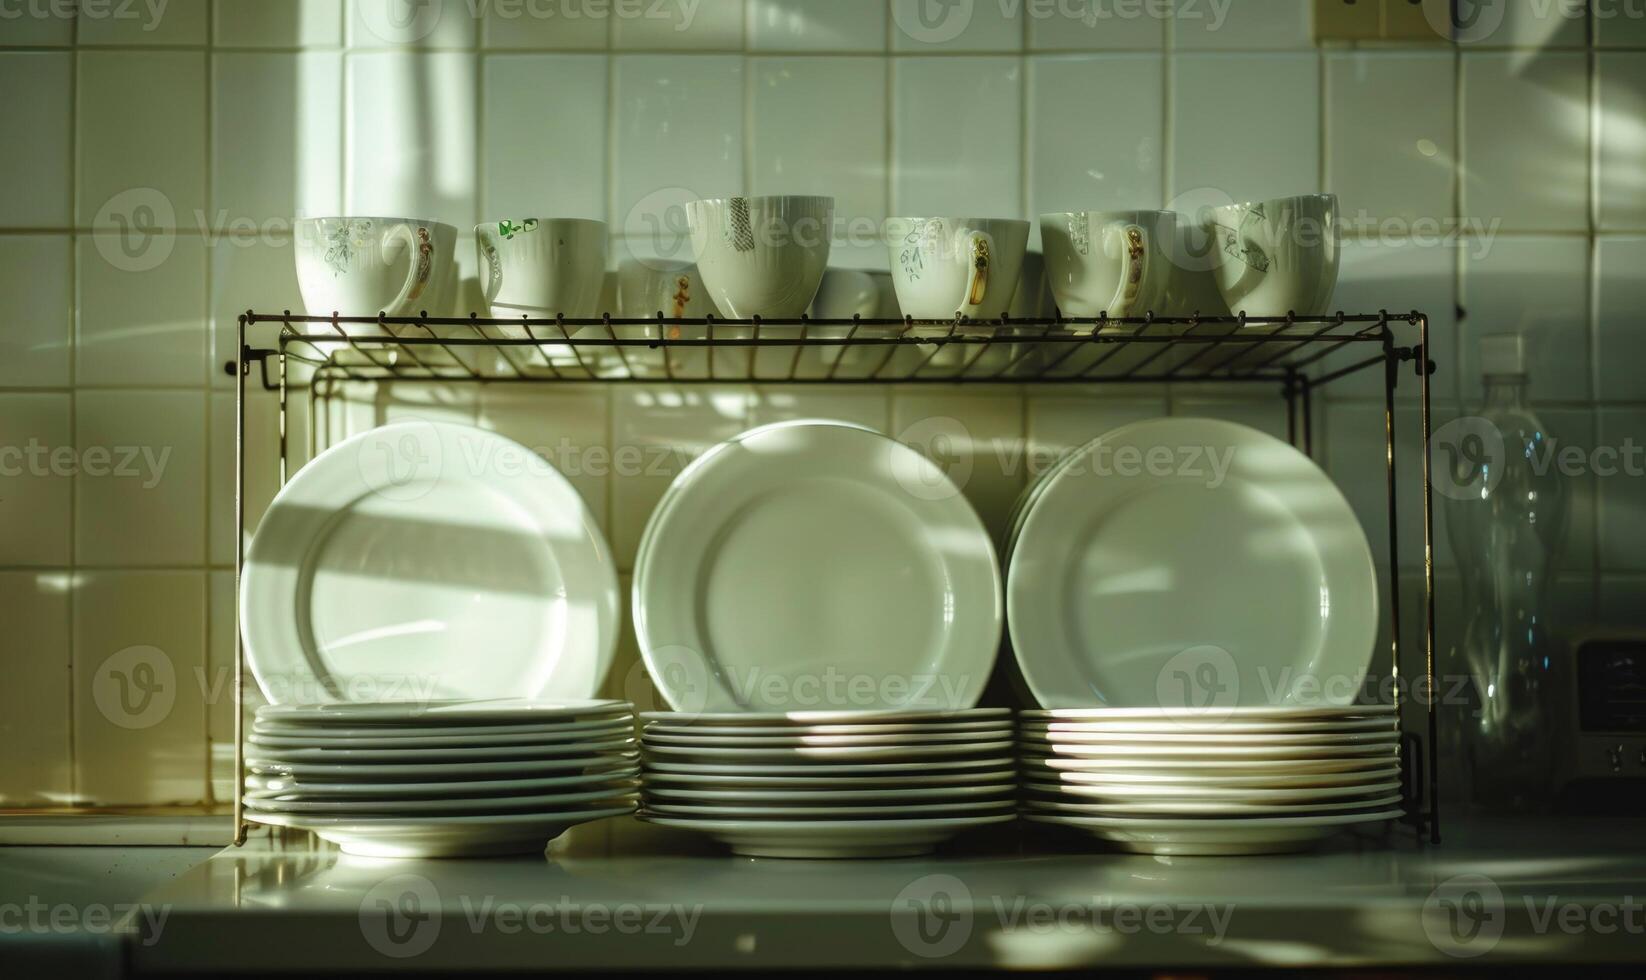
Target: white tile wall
pixel 187 147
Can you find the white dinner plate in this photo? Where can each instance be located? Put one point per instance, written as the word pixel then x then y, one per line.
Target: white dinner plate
pixel 1191 766
pixel 1209 809
pixel 414 734
pixel 651 737
pixel 441 836
pixel 848 770
pixel 516 739
pixel 385 567
pixel 811 560
pixel 756 797
pixel 1216 728
pixel 408 756
pixel 793 756
pixel 958 780
pixel 1190 837
pixel 521 768
pixel 1281 587
pixel 995 728
pixel 1154 792
pixel 809 718
pixel 1230 739
pixel 802 811
pixel 430 716
pixel 1213 714
pixel 1205 751
pixel 613 795
pixel 830 838
pixel 266 786
pixel 1164 783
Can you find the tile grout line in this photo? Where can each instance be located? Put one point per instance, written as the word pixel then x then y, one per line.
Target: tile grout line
pixel 75 153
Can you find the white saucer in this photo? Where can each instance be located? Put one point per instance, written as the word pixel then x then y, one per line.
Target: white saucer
pixel 1278 835
pixel 435 836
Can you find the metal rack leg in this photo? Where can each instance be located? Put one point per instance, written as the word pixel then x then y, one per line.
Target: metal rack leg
pixel 238 691
pixel 1391 379
pixel 1429 585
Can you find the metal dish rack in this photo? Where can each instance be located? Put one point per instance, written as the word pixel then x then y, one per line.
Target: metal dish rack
pixel 318 355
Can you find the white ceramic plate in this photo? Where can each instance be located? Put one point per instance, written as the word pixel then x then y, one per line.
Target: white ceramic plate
pixel 383 568
pixel 817 557
pixel 955 780
pixel 830 838
pixel 391 809
pixel 976 728
pixel 446 770
pixel 1194 766
pixel 1165 783
pixel 792 756
pixel 264 755
pixel 1209 809
pixel 416 734
pixel 1385 753
pixel 1154 792
pixel 800 811
pixel 1214 729
pixel 441 836
pixel 1277 835
pixel 1219 739
pixel 806 719
pixel 666 794
pixel 1283 585
pixel 266 786
pixel 431 716
pixel 516 739
pixel 935 768
pixel 1213 715
pixel 828 741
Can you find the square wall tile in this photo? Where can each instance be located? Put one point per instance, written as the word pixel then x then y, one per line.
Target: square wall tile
pixel 1614 27
pixel 262 448
pixel 411 136
pixel 568 429
pixel 868 405
pixel 1270 25
pixel 277 145
pixel 139 658
pixel 413 23
pixel 527 137
pixel 1265 412
pixel 957 137
pixel 36 304
pixel 679 136
pixel 42 25
pixel 1095 25
pixel 1525 141
pixel 142 139
pixel 37 464
pixel 39 102
pixel 258 274
pixel 1061 420
pixel 142 324
pixel 584 26
pixel 1391 137
pixel 1115 166
pixel 1399 275
pixel 1356 459
pixel 976 437
pixel 1620 468
pixel 1620 330
pixel 657 430
pixel 1220 144
pixel 817 25
pixel 277 23
pixel 920 27
pixel 819 127
pixel 1538 288
pixel 1531 26
pixel 36 701
pixel 140 493
pixel 678 27
pixel 1621 119
pixel 181 22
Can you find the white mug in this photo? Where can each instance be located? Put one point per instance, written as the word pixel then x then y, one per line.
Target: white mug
pixel 542 267
pixel 1276 257
pixel 761 256
pixel 1114 262
pixel 947 266
pixel 366 266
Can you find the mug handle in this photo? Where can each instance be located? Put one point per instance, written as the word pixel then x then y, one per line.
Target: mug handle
pixel 1135 254
pixel 491 278
pixel 977 275
pixel 419 241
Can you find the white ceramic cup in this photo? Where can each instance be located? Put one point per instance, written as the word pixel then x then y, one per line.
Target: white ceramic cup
pixel 761 256
pixel 542 267
pixel 944 266
pixel 358 266
pixel 647 287
pixel 1114 262
pixel 1276 257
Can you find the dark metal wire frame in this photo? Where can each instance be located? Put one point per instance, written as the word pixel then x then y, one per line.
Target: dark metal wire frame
pixel 1254 349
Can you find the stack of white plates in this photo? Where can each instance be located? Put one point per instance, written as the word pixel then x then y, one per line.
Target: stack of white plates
pixel 829 784
pixel 441 780
pixel 1242 781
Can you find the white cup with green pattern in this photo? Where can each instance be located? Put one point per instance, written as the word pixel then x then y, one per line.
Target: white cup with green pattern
pixel 542 267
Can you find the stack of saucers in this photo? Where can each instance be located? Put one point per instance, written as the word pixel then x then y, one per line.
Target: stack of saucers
pixel 829 784
pixel 1246 780
pixel 447 779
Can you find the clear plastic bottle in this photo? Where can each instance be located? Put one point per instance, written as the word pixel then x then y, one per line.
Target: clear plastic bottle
pixel 1506 526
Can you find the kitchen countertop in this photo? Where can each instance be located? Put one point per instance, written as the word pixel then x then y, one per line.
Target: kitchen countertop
pixel 1508 892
